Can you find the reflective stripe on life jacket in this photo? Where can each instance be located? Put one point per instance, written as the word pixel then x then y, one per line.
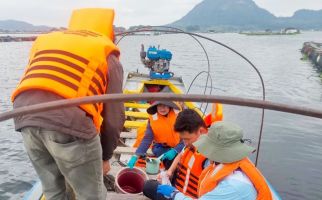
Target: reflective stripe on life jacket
pixel 188 172
pixel 163 129
pixel 212 175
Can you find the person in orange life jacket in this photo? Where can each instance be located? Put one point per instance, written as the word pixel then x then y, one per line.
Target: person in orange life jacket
pixel 231 175
pixel 72 144
pixel 190 126
pixel 161 132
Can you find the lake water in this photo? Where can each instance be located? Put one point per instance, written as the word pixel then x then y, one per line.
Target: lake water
pixel 291 150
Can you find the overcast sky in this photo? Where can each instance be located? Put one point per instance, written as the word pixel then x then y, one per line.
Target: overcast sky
pixel 128 12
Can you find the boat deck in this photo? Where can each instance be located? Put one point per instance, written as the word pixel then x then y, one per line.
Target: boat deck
pixel 136 117
pixel 113 196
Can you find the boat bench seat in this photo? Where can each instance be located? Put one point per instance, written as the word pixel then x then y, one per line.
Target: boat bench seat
pixel 129 151
pixel 134 124
pixel 128 135
pixel 126 91
pixel 137 105
pixel 141 115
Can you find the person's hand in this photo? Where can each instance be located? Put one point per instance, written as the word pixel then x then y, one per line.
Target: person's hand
pixel 165 190
pixel 158 178
pixel 132 161
pixel 106 167
pixel 169 155
pixel 169 173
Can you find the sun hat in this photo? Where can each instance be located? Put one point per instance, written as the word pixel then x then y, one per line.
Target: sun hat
pixel 223 143
pixel 153 108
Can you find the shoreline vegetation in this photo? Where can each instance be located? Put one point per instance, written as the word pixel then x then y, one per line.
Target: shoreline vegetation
pixel 285 31
pixel 23 36
pixel 264 33
pixel 8 38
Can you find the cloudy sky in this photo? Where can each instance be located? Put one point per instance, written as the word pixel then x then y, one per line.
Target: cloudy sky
pixel 128 12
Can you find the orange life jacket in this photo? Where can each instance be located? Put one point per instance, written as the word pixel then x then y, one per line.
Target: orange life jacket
pixel 72 63
pixel 212 175
pixel 215 115
pixel 188 172
pixel 163 129
pixel 139 136
pixel 141 162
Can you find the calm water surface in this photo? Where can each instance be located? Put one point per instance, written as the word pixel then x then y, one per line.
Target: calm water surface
pixel 291 150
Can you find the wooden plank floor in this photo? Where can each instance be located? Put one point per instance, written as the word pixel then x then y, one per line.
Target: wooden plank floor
pixel 128 135
pixel 125 154
pixel 114 196
pixel 129 151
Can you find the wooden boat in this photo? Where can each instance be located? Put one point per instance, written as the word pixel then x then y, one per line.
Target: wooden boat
pixel 136 117
pixel 159 80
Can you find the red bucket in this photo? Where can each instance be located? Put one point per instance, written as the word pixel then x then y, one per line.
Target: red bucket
pixel 130 181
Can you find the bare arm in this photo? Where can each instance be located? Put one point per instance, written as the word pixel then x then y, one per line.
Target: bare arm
pixel 172 168
pixel 174 164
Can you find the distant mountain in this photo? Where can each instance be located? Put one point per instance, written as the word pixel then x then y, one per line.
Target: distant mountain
pixel 244 15
pixel 14 25
pixel 304 19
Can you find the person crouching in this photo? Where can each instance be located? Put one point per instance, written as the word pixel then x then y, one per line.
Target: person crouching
pixel 160 133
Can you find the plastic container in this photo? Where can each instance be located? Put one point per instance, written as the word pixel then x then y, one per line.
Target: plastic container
pixel 152 165
pixel 130 181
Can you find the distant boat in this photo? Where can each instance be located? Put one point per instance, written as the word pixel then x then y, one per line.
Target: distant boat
pixel 285 31
pixel 313 51
pixel 144 33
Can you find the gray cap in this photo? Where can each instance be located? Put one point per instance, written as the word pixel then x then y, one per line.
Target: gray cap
pixel 153 108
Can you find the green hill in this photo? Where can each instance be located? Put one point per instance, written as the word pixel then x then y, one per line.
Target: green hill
pixel 14 25
pixel 244 15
